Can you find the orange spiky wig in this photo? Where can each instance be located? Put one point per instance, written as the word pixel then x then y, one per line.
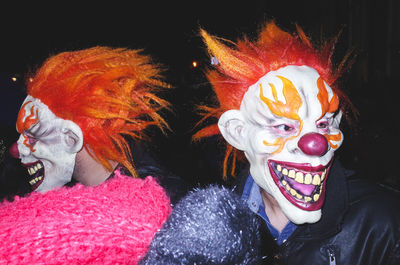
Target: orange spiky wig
pixel 241 66
pixel 108 93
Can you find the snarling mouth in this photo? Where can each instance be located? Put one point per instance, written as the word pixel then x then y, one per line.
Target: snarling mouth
pixel 301 184
pixel 36 173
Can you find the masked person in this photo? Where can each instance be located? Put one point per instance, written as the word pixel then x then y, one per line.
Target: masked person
pixel 82 112
pixel 280 104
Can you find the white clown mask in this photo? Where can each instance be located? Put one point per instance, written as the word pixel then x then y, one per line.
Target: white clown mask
pixel 47 145
pixel 288 128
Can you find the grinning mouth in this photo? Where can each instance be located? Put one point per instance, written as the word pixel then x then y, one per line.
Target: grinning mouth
pixel 36 173
pixel 301 184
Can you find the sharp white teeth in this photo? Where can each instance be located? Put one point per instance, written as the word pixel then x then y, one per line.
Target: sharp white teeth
pixel 34 168
pixel 302 178
pixel 299 177
pixel 323 175
pixel 316 180
pixel 35 180
pixel 308 178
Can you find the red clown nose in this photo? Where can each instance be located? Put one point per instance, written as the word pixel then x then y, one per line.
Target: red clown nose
pixel 14 150
pixel 313 144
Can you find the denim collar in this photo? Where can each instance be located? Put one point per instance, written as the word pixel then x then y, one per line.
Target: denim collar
pixel 252 196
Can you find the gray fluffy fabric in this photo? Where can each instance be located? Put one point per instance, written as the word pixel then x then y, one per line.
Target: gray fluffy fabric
pixel 208 226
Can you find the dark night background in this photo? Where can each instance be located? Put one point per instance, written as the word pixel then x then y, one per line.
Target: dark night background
pixel 168 30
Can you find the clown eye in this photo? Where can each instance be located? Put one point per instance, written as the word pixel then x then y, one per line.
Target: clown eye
pixel 323 126
pixel 284 128
pixel 30 139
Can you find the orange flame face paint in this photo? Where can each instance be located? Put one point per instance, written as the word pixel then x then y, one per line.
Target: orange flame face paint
pixel 336 138
pixel 290 109
pixel 23 125
pixel 329 106
pixel 33 118
pixel 323 97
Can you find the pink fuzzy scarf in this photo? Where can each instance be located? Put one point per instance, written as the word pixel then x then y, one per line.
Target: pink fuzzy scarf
pixel 113 223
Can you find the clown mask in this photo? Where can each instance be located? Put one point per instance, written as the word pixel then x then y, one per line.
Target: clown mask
pixel 288 128
pixel 47 145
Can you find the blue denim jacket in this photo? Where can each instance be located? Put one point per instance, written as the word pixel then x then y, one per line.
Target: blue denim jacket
pixel 251 194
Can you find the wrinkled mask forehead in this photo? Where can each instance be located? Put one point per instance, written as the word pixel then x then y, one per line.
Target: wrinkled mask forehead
pixel 31 112
pixel 292 92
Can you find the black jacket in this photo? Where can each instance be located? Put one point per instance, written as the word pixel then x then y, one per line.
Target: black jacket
pixel 147 163
pixel 360 224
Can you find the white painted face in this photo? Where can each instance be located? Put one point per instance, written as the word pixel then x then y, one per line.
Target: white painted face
pixel 47 145
pixel 288 128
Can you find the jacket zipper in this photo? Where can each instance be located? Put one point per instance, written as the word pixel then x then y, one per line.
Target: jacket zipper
pixel 331 256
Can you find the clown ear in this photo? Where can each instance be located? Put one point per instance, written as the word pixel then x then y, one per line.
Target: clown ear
pixel 231 124
pixel 72 136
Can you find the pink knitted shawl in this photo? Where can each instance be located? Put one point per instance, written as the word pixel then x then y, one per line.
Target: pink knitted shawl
pixel 113 223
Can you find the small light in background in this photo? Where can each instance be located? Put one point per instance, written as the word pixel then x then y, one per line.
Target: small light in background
pixel 194 63
pixel 14 79
pixel 30 79
pixel 214 61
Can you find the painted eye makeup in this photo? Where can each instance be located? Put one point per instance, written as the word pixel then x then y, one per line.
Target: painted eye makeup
pixel 325 123
pixel 284 128
pixel 33 134
pixel 31 140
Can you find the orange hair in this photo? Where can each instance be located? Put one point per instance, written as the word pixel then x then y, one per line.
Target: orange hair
pixel 108 93
pixel 241 66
